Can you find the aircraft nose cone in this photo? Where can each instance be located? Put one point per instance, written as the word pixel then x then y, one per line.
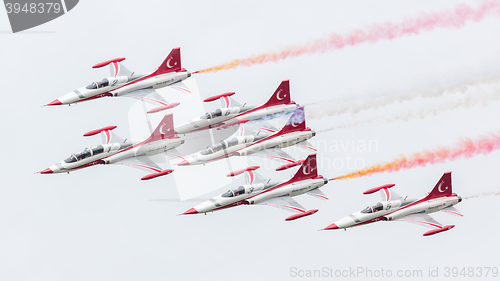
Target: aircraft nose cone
pixel 331 226
pixel 54 102
pixel 184 163
pixel 46 171
pixel 190 212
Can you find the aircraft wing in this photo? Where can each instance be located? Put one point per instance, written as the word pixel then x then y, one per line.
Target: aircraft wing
pixel 181 87
pixel 426 220
pixel 317 194
pixel 275 154
pixel 453 211
pixel 287 203
pixel 145 163
pixel 152 97
pixel 305 144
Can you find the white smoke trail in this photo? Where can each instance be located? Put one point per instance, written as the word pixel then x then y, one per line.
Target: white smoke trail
pixel 432 89
pixel 467 97
pixel 484 194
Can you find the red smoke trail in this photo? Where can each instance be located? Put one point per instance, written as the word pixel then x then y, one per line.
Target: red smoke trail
pixel 454 18
pixel 466 148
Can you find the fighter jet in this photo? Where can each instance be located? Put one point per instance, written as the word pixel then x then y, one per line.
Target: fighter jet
pixel 234 113
pixel 395 207
pixel 135 155
pixel 276 194
pixel 122 81
pixel 295 131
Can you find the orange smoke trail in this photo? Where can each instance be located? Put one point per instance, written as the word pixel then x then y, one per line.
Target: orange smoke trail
pixel 466 148
pixel 455 18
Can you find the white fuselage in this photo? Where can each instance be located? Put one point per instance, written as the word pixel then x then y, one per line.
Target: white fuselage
pixel 121 85
pixel 246 145
pixel 397 209
pixel 258 193
pixel 151 81
pixel 78 161
pixel 145 148
pixel 231 115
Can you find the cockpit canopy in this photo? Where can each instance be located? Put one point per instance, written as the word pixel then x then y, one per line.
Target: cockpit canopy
pixel 213 114
pixel 87 152
pixel 98 85
pixel 373 209
pixel 220 146
pixel 234 192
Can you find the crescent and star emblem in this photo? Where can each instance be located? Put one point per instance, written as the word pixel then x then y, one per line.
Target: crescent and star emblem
pixel 278 95
pixel 294 125
pixel 439 187
pixel 168 63
pixel 308 170
pixel 161 129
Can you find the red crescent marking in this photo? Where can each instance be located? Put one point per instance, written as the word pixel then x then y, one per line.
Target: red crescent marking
pixel 226 99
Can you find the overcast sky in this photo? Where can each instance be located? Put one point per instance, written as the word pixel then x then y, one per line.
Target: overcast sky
pixel 103 223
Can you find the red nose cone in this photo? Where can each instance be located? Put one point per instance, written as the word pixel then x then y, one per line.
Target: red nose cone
pixel 54 102
pixel 184 163
pixel 46 171
pixel 190 212
pixel 331 226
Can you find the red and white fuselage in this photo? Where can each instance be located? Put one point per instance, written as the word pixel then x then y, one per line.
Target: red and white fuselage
pixel 411 210
pixel 305 180
pixel 292 133
pixel 279 103
pixel 123 82
pixel 161 140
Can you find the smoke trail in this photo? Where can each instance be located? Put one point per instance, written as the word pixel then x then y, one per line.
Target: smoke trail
pixel 454 18
pixel 484 194
pixel 466 148
pixel 472 95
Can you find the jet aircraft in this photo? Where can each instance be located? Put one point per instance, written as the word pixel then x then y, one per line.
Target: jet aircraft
pixel 266 143
pixel 395 207
pixel 124 82
pixel 234 113
pixel 276 194
pixel 135 155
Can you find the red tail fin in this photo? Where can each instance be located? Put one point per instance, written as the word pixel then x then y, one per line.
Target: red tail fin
pixel 171 63
pixel 165 129
pixel 297 121
pixel 308 169
pixel 281 95
pixel 442 188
